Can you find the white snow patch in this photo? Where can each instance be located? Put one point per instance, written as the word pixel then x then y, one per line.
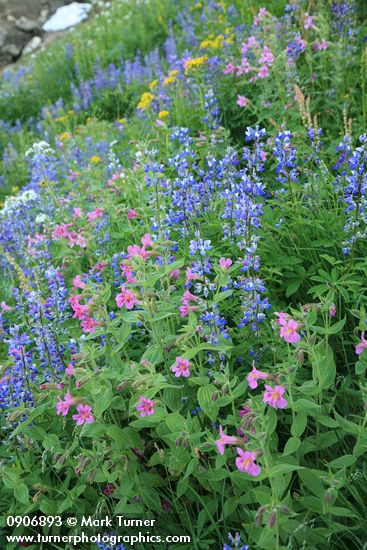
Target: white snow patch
pixel 66 17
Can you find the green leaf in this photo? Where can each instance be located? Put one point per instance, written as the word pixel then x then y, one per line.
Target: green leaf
pixel 311 482
pixel 347 425
pixel 10 479
pixel 291 446
pixel 324 368
pixel 102 401
pixel 280 469
pixel 50 442
pixel 176 423
pixel 299 424
pixel 342 461
pixel 292 287
pixel 205 399
pixel 333 329
pixel 21 493
pixel 125 438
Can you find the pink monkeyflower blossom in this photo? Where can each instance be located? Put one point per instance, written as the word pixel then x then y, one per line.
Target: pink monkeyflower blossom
pixel 70 369
pixel 175 273
pixel 135 250
pixel 245 462
pixel 5 307
pixel 84 415
pixel 230 69
pixel 254 376
pixel 263 71
pixel 267 56
pixel 362 344
pixel 332 310
pixel 146 240
pixel 181 367
pixel 127 271
pixel 319 46
pixel 274 397
pixel 225 440
pixel 242 101
pixel 77 212
pixel 89 325
pixel 251 42
pixel 60 232
pixel 308 22
pixel 78 283
pixel 289 332
pixel 245 410
pixel 131 214
pixel 302 43
pixel 185 310
pixel 225 263
pixel 126 298
pixel 63 406
pixel 73 175
pixel 80 312
pixel 190 276
pixel 145 406
pixel 282 318
pixel 81 241
pixel 94 214
pixel 188 297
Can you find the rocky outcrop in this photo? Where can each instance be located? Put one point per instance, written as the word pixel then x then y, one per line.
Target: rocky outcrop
pixel 21 26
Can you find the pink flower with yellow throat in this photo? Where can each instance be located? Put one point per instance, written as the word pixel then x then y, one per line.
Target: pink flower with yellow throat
pixel 245 462
pixel 181 367
pixel 63 406
pixel 362 345
pixel 84 415
pixel 290 327
pixel 274 397
pixel 225 439
pixel 126 298
pixel 254 376
pixel 145 406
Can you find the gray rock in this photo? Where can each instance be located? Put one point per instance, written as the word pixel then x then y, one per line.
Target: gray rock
pixel 13 50
pixel 27 25
pixel 32 45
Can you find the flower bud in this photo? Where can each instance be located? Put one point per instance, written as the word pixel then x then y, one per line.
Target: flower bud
pixel 91 476
pixel 328 497
pixel 272 519
pixel 259 515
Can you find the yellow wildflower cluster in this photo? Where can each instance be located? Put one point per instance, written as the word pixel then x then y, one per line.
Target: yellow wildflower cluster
pixel 213 42
pixel 23 282
pixel 163 114
pixel 61 118
pixel 95 159
pixel 122 121
pixel 64 136
pixel 171 78
pixel 195 63
pixel 14 189
pixel 145 101
pixel 197 6
pixel 153 84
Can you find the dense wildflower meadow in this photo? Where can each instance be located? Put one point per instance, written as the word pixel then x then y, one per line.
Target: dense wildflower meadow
pixel 183 251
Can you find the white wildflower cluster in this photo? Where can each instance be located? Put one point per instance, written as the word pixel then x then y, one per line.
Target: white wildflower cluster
pixel 39 148
pixel 12 204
